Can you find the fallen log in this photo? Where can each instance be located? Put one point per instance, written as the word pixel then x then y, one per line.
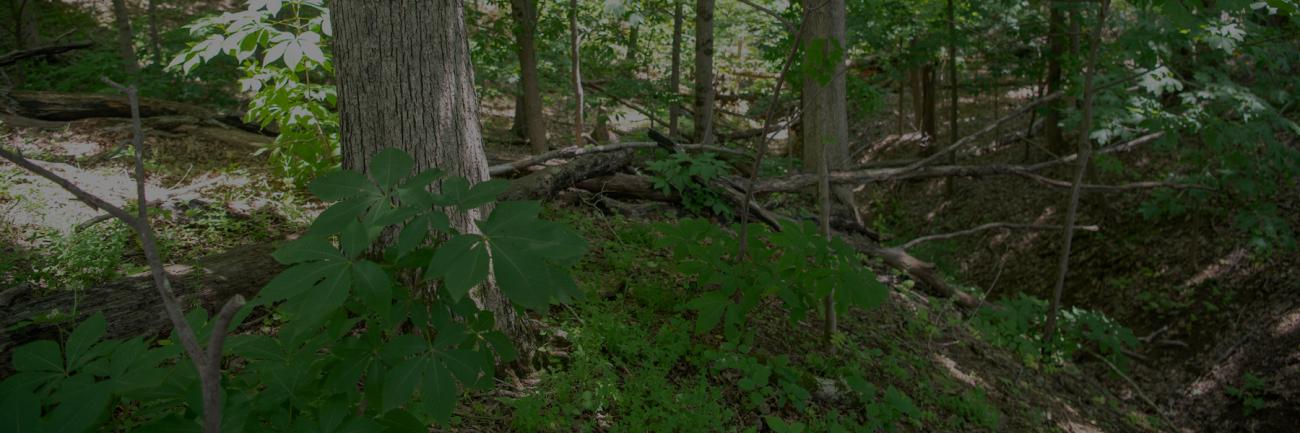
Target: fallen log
pixel 545 183
pixel 75 106
pixel 573 151
pixel 131 305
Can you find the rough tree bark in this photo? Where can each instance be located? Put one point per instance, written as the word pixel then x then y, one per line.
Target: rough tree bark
pixel 575 56
pixel 825 114
pixel 703 115
pixel 125 46
pixel 534 124
pixel 675 82
pixel 929 128
pixel 405 81
pixel 155 39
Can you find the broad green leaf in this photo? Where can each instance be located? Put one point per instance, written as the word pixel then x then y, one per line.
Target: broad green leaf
pixel 412 236
pixel 354 240
pixel 327 296
pixel 20 411
pixel 305 249
pixel 453 190
pixel 859 288
pixel 483 193
pixel 42 355
pixel 338 216
pixel 508 215
pixel 342 184
pixel 401 347
pixel 296 280
pixel 86 335
pixel 396 216
pixel 438 392
pixel 400 383
pixel 710 307
pixel 389 166
pixel 81 412
pixel 518 273
pixel 504 347
pixel 373 286
pixel 462 262
pixel 422 180
pixel 464 364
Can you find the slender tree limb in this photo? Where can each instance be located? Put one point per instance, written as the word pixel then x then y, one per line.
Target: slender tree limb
pixel 16 56
pixel 985 227
pixel 85 197
pixel 574 151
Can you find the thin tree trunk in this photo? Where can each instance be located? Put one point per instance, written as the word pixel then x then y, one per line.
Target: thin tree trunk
pixel 632 43
pixel 675 82
pixel 1085 157
pixel 1052 133
pixel 918 95
pixel 576 72
pixel 405 81
pixel 155 39
pixel 704 95
pixel 125 44
pixel 533 124
pixel 952 91
pixel 929 127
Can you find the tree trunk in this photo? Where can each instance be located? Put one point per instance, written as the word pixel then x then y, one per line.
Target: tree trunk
pixel 405 80
pixel 575 56
pixel 825 113
pixel 1052 134
pixel 929 128
pixel 703 115
pixel 125 44
pixel 155 39
pixel 534 122
pixel 633 41
pixel 675 82
pixel 918 94
pixel 952 91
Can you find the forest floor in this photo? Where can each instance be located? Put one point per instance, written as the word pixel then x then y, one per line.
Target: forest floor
pixel 626 359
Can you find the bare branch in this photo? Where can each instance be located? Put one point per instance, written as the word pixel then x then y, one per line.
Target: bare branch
pixel 15 56
pixel 574 151
pixel 985 227
pixel 85 197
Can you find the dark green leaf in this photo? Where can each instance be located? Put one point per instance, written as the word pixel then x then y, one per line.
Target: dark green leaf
pixel 462 262
pixel 86 335
pixel 296 280
pixel 42 355
pixel 340 185
pixel 400 383
pixel 412 236
pixel 389 166
pixel 354 240
pixel 373 286
pixel 518 273
pixel 504 347
pixel 423 179
pixel 307 248
pixel 710 307
pixel 20 411
pixel 483 193
pixel 464 364
pixel 403 346
pixel 79 413
pixel 510 215
pixel 338 216
pixel 327 296
pixel 438 392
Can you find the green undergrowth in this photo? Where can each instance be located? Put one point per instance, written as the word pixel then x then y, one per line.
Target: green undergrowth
pixel 630 359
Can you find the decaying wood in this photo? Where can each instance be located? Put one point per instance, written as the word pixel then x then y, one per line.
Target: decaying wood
pixel 573 151
pixel 74 106
pixel 545 183
pixel 15 56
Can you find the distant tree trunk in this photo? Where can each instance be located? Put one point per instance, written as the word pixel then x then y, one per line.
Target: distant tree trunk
pixel 918 95
pixel 155 39
pixel 533 123
pixel 1052 134
pixel 675 82
pixel 929 129
pixel 632 43
pixel 27 32
pixel 405 81
pixel 952 91
pixel 576 72
pixel 517 125
pixel 704 71
pixel 600 132
pixel 125 44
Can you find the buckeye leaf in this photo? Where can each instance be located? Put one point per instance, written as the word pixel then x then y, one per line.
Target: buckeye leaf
pixel 710 307
pixel 82 338
pixel 518 272
pixel 306 249
pixel 79 411
pixel 295 280
pixel 338 216
pixel 412 236
pixel 482 193
pixel 373 286
pixel 42 355
pixel 389 166
pixel 339 185
pixel 329 294
pixel 462 262
pixel 20 411
pixel 438 392
pixel 422 180
pixel 400 383
pixel 510 215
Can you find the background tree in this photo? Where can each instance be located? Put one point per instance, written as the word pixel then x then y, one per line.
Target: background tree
pixel 704 92
pixel 530 117
pixel 125 37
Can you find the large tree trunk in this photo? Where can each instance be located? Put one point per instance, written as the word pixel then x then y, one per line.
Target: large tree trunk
pixel 703 115
pixel 1056 45
pixel 675 81
pixel 405 80
pixel 534 124
pixel 125 44
pixel 575 72
pixel 825 110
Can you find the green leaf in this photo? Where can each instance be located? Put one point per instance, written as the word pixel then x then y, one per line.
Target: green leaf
pixel 373 286
pixel 462 262
pixel 304 249
pixel 710 307
pixel 503 346
pixel 422 180
pixel 482 193
pixel 412 236
pixel 86 335
pixel 438 392
pixel 464 364
pixel 338 216
pixel 354 240
pixel 20 411
pixel 401 347
pixel 510 215
pixel 389 166
pixel 859 288
pixel 328 296
pixel 296 280
pixel 400 383
pixel 81 412
pixel 518 273
pixel 339 185
pixel 779 425
pixel 42 355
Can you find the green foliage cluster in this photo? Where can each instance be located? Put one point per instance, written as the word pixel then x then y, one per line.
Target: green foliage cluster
pixel 1017 323
pixel 353 311
pixel 282 49
pixel 689 176
pixel 1250 394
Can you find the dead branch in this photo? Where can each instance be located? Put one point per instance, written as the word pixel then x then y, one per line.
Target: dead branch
pixel 575 151
pixel 985 227
pixel 16 56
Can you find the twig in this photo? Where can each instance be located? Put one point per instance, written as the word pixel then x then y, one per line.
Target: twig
pixel 986 227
